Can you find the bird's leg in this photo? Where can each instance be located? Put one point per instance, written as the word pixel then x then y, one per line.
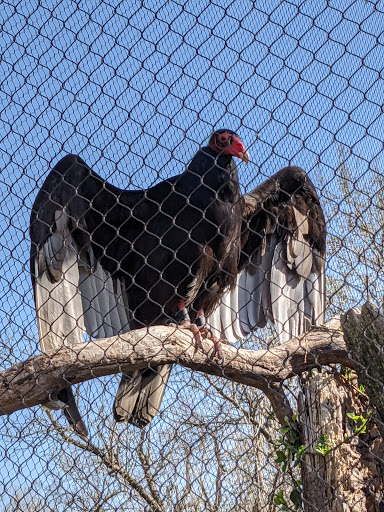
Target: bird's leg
pixel 183 321
pixel 200 318
pixel 182 314
pixel 199 329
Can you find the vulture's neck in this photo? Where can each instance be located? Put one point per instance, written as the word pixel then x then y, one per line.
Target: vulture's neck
pixel 206 162
pixel 218 172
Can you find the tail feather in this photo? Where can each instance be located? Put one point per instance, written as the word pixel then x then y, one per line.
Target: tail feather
pixel 139 395
pixel 71 412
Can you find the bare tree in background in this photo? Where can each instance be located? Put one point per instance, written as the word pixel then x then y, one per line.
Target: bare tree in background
pixel 344 458
pixel 132 87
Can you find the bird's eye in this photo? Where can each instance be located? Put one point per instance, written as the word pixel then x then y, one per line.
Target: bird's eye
pixel 222 138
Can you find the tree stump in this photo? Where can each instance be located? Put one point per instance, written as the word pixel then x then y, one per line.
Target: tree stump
pixel 332 412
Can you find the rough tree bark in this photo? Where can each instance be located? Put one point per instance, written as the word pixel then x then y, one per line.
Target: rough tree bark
pixel 351 476
pixel 40 378
pixel 364 336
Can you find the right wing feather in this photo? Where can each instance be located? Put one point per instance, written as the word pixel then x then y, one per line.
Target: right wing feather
pixel 74 292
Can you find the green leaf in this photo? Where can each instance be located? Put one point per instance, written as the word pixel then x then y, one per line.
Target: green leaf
pixel 299 455
pixel 280 500
pixel 322 450
pixel 322 438
pixel 280 457
pixel 295 497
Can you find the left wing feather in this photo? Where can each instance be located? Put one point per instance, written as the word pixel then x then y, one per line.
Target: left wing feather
pixel 281 270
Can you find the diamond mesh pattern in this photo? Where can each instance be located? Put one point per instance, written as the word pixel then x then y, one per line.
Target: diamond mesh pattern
pixel 135 89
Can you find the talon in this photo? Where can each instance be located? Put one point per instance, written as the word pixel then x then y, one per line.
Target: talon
pixel 217 347
pixel 186 324
pixel 200 329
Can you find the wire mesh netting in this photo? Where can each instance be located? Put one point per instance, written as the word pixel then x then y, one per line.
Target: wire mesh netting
pixel 162 228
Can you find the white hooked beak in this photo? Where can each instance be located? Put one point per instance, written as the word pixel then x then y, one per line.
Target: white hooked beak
pixel 244 157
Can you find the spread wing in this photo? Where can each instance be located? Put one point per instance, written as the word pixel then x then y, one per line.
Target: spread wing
pixel 76 290
pixel 281 269
pixel 81 232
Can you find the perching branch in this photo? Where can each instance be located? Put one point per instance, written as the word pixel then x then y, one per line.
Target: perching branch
pixel 39 379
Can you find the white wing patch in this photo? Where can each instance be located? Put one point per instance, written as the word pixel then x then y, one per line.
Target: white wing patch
pixel 285 286
pixel 58 305
pixel 73 297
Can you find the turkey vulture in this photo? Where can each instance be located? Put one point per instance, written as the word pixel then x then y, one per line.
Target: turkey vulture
pixel 106 260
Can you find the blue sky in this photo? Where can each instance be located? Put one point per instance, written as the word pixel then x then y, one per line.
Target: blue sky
pixel 136 87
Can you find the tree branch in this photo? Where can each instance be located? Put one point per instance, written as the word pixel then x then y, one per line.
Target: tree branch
pixel 109 463
pixel 39 379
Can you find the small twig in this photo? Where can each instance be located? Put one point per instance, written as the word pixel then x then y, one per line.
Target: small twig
pixel 105 459
pixel 145 463
pixel 249 418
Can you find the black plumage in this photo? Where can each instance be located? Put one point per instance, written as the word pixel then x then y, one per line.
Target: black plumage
pixel 106 260
pixel 151 249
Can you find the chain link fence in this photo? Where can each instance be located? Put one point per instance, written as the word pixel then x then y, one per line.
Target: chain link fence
pixel 135 89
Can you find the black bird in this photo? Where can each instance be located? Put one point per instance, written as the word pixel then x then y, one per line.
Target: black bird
pixel 106 260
